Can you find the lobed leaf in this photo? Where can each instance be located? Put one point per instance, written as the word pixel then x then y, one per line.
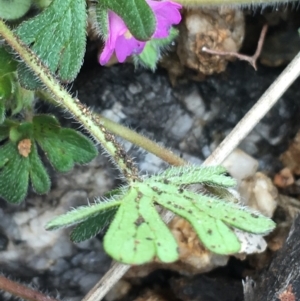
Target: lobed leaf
pixel 137 234
pixel 80 214
pixel 233 214
pixel 209 216
pixel 58 37
pixel 17 166
pixel 213 233
pixel 64 147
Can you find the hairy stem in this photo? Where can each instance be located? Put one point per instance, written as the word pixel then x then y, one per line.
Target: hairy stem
pixel 131 136
pixel 143 142
pixel 20 291
pixel 73 105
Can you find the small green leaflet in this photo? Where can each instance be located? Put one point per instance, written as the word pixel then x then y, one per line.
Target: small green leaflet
pixel 138 235
pixel 58 37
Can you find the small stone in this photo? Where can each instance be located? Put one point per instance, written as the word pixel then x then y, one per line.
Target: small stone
pixel 284 178
pixel 180 125
pixel 88 281
pixel 195 104
pixel 258 192
pixel 240 165
pixel 135 88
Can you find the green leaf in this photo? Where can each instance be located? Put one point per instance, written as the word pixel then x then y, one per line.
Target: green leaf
pixel 81 214
pixel 7 62
pixel 18 162
pixel 93 225
pixel 23 99
pixel 213 233
pixel 2 113
pixel 192 174
pixel 149 57
pixel 153 49
pixel 6 88
pixel 7 80
pixel 14 9
pixel 4 131
pixel 58 37
pixel 38 175
pixel 137 234
pixel 21 131
pixel 233 214
pixel 28 80
pixel 41 4
pixel 63 147
pixel 136 14
pixel 14 175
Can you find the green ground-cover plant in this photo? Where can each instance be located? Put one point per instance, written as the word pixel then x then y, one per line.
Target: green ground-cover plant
pixel 50 47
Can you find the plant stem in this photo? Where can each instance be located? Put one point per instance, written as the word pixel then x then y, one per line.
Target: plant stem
pixel 131 136
pixel 142 142
pixel 241 130
pixel 20 291
pixel 73 105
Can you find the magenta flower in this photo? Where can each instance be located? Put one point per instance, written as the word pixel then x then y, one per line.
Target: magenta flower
pixel 124 44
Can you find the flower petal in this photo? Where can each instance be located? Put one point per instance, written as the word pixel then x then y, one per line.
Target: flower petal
pixel 116 28
pixel 120 40
pixel 128 46
pixel 167 13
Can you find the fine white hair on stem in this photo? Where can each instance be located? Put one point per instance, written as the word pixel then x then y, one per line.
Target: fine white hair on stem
pixel 241 130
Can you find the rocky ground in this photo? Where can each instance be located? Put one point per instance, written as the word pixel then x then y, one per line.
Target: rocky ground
pixel 189 116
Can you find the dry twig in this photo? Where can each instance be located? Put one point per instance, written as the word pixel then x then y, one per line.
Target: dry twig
pixel 250 59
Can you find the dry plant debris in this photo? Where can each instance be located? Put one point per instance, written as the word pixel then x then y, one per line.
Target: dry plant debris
pixel 220 29
pixel 291 157
pixel 287 295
